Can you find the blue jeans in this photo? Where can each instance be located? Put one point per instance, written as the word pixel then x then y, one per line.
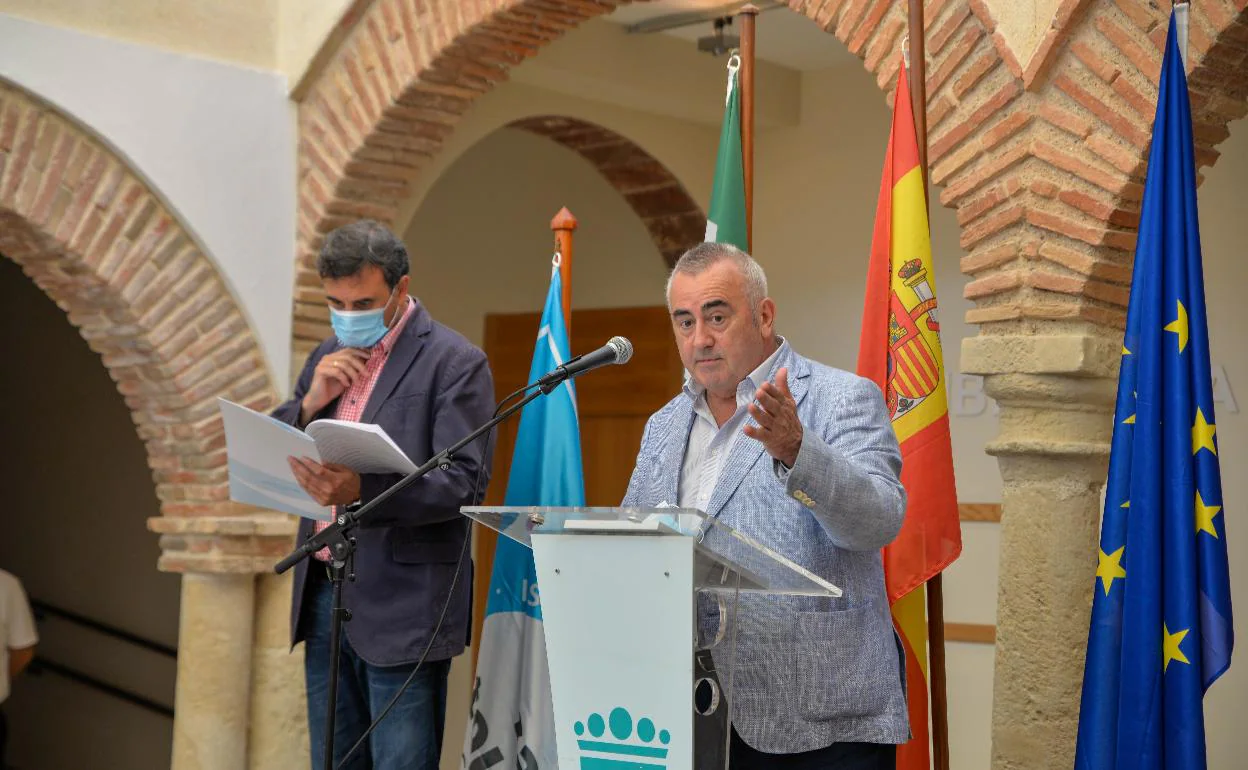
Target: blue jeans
pixel 409 738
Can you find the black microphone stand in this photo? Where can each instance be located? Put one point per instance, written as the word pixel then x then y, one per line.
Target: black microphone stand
pixel 341 544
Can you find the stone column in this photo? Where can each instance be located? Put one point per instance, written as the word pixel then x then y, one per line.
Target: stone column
pixel 279 712
pixel 214 672
pixel 1056 396
pixel 219 558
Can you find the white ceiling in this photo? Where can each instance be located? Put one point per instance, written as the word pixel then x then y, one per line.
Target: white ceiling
pixel 783 37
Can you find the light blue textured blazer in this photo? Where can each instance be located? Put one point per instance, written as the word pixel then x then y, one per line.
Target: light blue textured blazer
pixel 809 671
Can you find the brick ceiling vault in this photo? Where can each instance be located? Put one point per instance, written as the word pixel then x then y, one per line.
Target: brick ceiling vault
pixel 671 216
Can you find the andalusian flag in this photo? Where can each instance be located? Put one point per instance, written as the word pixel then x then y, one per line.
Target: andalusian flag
pixel 725 222
pixel 900 351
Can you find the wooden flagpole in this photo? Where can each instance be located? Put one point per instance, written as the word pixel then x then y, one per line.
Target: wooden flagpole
pixel 563 225
pixel 935 586
pixel 748 16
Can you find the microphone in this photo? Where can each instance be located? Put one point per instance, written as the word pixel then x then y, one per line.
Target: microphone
pixel 618 350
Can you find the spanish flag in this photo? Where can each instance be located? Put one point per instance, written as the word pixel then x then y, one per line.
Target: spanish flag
pixel 900 351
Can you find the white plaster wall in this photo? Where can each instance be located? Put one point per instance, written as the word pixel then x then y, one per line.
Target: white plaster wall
pixel 239 31
pixel 216 141
pixel 303 27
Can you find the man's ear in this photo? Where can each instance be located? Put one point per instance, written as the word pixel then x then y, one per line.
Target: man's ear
pixel 767 316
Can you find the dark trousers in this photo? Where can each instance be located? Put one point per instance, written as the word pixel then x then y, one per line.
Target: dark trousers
pixel 838 756
pixel 410 737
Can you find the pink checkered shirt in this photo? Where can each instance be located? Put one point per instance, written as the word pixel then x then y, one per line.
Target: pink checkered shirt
pixel 351 404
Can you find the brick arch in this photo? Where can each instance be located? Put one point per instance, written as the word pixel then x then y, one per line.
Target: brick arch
pixel 99 241
pixel 673 218
pixel 1044 161
pixel 1041 159
pixel 407 73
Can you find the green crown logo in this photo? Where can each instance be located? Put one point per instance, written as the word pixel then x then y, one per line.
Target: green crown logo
pixel 624 747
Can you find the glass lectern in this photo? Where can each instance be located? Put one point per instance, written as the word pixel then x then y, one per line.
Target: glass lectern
pixel 625 594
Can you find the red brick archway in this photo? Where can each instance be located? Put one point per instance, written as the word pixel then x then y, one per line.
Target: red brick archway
pixel 673 218
pixel 1047 151
pixel 408 72
pixel 101 243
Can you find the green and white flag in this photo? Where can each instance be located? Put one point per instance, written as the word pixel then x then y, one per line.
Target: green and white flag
pixel 725 222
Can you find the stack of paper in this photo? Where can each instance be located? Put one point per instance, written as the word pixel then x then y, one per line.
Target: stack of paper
pixel 258 447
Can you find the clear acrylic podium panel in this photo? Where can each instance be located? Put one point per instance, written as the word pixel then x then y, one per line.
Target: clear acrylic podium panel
pixel 725 559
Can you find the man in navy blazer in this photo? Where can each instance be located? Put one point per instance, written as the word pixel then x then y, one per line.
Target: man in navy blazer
pixel 389 363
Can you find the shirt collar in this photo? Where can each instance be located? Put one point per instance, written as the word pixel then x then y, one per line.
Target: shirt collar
pixel 386 343
pixel 756 378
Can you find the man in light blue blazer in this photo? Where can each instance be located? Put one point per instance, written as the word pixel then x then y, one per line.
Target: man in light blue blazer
pixel 802 458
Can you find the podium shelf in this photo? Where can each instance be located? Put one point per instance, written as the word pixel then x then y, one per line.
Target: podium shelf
pixel 725 559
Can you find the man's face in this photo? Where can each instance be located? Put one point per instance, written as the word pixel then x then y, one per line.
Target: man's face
pixel 719 338
pixel 366 290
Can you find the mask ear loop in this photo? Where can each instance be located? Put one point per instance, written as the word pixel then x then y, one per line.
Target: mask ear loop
pixel 394 320
pixel 368 244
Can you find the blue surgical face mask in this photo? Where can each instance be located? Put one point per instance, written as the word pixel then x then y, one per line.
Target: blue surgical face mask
pixel 360 328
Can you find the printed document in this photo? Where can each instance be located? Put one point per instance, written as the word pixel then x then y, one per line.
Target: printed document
pixel 257 446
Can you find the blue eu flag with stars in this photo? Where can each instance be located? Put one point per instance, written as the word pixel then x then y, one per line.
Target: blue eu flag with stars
pixel 1161 618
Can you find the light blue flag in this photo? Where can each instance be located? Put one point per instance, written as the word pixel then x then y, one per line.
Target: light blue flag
pixel 512 722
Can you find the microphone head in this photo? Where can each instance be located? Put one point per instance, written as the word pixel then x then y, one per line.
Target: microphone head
pixel 623 349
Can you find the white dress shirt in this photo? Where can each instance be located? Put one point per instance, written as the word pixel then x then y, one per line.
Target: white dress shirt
pixel 709 443
pixel 17 625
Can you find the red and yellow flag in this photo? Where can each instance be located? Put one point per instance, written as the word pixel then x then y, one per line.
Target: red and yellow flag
pixel 900 351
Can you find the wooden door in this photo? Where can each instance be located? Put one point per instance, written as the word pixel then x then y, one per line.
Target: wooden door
pixel 613 404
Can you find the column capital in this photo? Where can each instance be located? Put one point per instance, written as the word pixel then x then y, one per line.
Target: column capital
pixel 233 544
pixel 1071 355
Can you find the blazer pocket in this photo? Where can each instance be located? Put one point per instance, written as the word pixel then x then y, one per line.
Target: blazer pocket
pixel 403 404
pixel 409 547
pixel 841 671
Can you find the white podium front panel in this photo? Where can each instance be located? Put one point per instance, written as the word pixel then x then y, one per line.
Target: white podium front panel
pixel 619 646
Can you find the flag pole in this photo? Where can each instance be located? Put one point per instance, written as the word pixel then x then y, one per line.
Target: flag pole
pixel 1181 23
pixel 748 15
pixel 563 225
pixel 918 89
pixel 935 586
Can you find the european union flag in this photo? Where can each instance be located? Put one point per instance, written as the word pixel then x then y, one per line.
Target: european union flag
pixel 1161 619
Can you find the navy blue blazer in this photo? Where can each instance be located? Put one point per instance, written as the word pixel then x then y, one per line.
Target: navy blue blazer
pixel 435 389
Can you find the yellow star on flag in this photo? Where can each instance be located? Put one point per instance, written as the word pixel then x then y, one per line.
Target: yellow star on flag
pixel 1170 647
pixel 1202 434
pixel 1179 326
pixel 1109 568
pixel 1127 504
pixel 1125 352
pixel 1129 421
pixel 1204 516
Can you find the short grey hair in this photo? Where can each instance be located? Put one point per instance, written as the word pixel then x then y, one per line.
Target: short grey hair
pixel 349 248
pixel 706 255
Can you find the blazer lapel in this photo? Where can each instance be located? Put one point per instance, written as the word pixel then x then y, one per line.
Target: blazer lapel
pixel 409 343
pixel 747 451
pixel 799 374
pixel 673 453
